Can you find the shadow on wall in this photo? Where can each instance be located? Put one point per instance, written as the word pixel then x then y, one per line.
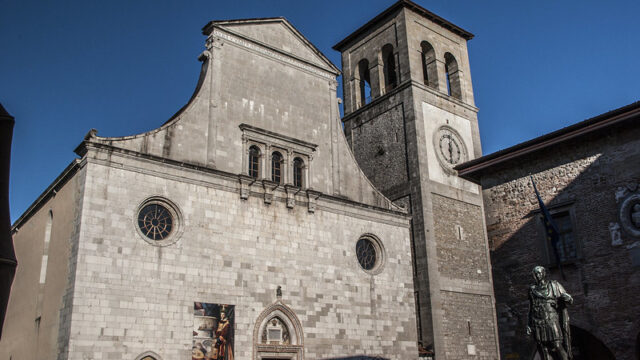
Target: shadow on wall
pixel 585 347
pixel 584 186
pixel 638 346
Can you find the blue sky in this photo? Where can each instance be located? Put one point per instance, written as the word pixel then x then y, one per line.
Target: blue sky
pixel 124 67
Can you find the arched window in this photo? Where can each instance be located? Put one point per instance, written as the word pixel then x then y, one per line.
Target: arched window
pixel 276 167
pixel 429 67
pixel 298 167
pixel 364 82
pixel 254 161
pixel 149 355
pixel 389 68
pixel 45 255
pixel 453 76
pixel 276 332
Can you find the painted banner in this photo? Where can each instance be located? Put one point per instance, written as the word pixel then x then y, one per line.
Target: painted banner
pixel 212 331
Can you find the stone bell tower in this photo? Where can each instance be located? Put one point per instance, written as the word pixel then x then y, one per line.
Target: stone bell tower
pixel 410 118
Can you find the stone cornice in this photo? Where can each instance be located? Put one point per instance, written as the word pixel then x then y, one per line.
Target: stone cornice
pixel 250 130
pixel 474 169
pixel 49 192
pixel 310 198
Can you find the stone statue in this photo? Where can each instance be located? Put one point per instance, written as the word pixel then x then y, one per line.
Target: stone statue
pixel 548 317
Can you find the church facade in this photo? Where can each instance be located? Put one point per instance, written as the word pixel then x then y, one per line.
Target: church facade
pixel 249 226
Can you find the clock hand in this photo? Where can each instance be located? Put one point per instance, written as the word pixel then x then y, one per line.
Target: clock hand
pixel 450 152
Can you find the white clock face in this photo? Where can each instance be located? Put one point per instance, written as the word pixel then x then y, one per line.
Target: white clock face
pixel 449 147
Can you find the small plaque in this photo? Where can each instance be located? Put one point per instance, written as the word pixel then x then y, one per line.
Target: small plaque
pixel 471 349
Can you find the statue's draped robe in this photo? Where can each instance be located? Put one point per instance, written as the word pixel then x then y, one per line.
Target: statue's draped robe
pixel 548 315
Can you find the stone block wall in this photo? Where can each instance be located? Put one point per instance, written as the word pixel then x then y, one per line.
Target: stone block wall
pixel 44 238
pixel 459 234
pixel 131 297
pixel 469 326
pixel 379 146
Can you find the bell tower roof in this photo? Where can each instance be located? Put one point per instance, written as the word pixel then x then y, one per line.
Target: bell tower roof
pixel 403 4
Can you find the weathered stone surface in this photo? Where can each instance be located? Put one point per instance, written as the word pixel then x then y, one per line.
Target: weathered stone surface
pixel 392 137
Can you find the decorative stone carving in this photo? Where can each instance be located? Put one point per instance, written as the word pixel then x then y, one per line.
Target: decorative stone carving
pixel 635 215
pixel 269 187
pixel 621 193
pixel 614 230
pixel 630 214
pixel 205 55
pixel 291 195
pixel 313 196
pixel 245 185
pixel 290 343
pixel 276 332
pixel 634 245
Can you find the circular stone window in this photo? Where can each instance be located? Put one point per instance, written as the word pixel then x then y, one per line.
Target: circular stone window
pixel 630 214
pixel 370 254
pixel 158 221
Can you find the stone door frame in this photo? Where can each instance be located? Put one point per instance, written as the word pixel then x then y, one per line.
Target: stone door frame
pixel 293 351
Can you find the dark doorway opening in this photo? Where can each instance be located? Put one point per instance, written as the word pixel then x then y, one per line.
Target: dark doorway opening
pixel 638 347
pixel 585 346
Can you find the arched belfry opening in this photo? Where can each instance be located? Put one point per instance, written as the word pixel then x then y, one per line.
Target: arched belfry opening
pixel 278 334
pixel 429 65
pixel 452 75
pixel 389 67
pixel 364 83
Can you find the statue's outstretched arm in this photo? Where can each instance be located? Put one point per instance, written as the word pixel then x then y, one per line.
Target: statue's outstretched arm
pixel 564 294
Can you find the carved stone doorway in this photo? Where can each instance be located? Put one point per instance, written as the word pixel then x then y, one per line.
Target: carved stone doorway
pixel 278 334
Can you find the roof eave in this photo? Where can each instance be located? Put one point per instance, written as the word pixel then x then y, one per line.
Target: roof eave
pixel 474 169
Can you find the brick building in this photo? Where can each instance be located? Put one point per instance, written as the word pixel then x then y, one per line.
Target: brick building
pixel 588 174
pixel 249 225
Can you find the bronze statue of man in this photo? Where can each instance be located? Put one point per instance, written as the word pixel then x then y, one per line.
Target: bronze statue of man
pixel 548 317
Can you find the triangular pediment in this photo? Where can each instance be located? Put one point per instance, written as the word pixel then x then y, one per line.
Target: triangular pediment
pixel 279 34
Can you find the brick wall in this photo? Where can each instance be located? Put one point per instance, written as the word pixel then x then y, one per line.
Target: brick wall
pixel 459 234
pixel 468 326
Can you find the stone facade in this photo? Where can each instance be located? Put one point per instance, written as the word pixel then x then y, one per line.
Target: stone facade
pixel 588 172
pixel 421 96
pixel 93 285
